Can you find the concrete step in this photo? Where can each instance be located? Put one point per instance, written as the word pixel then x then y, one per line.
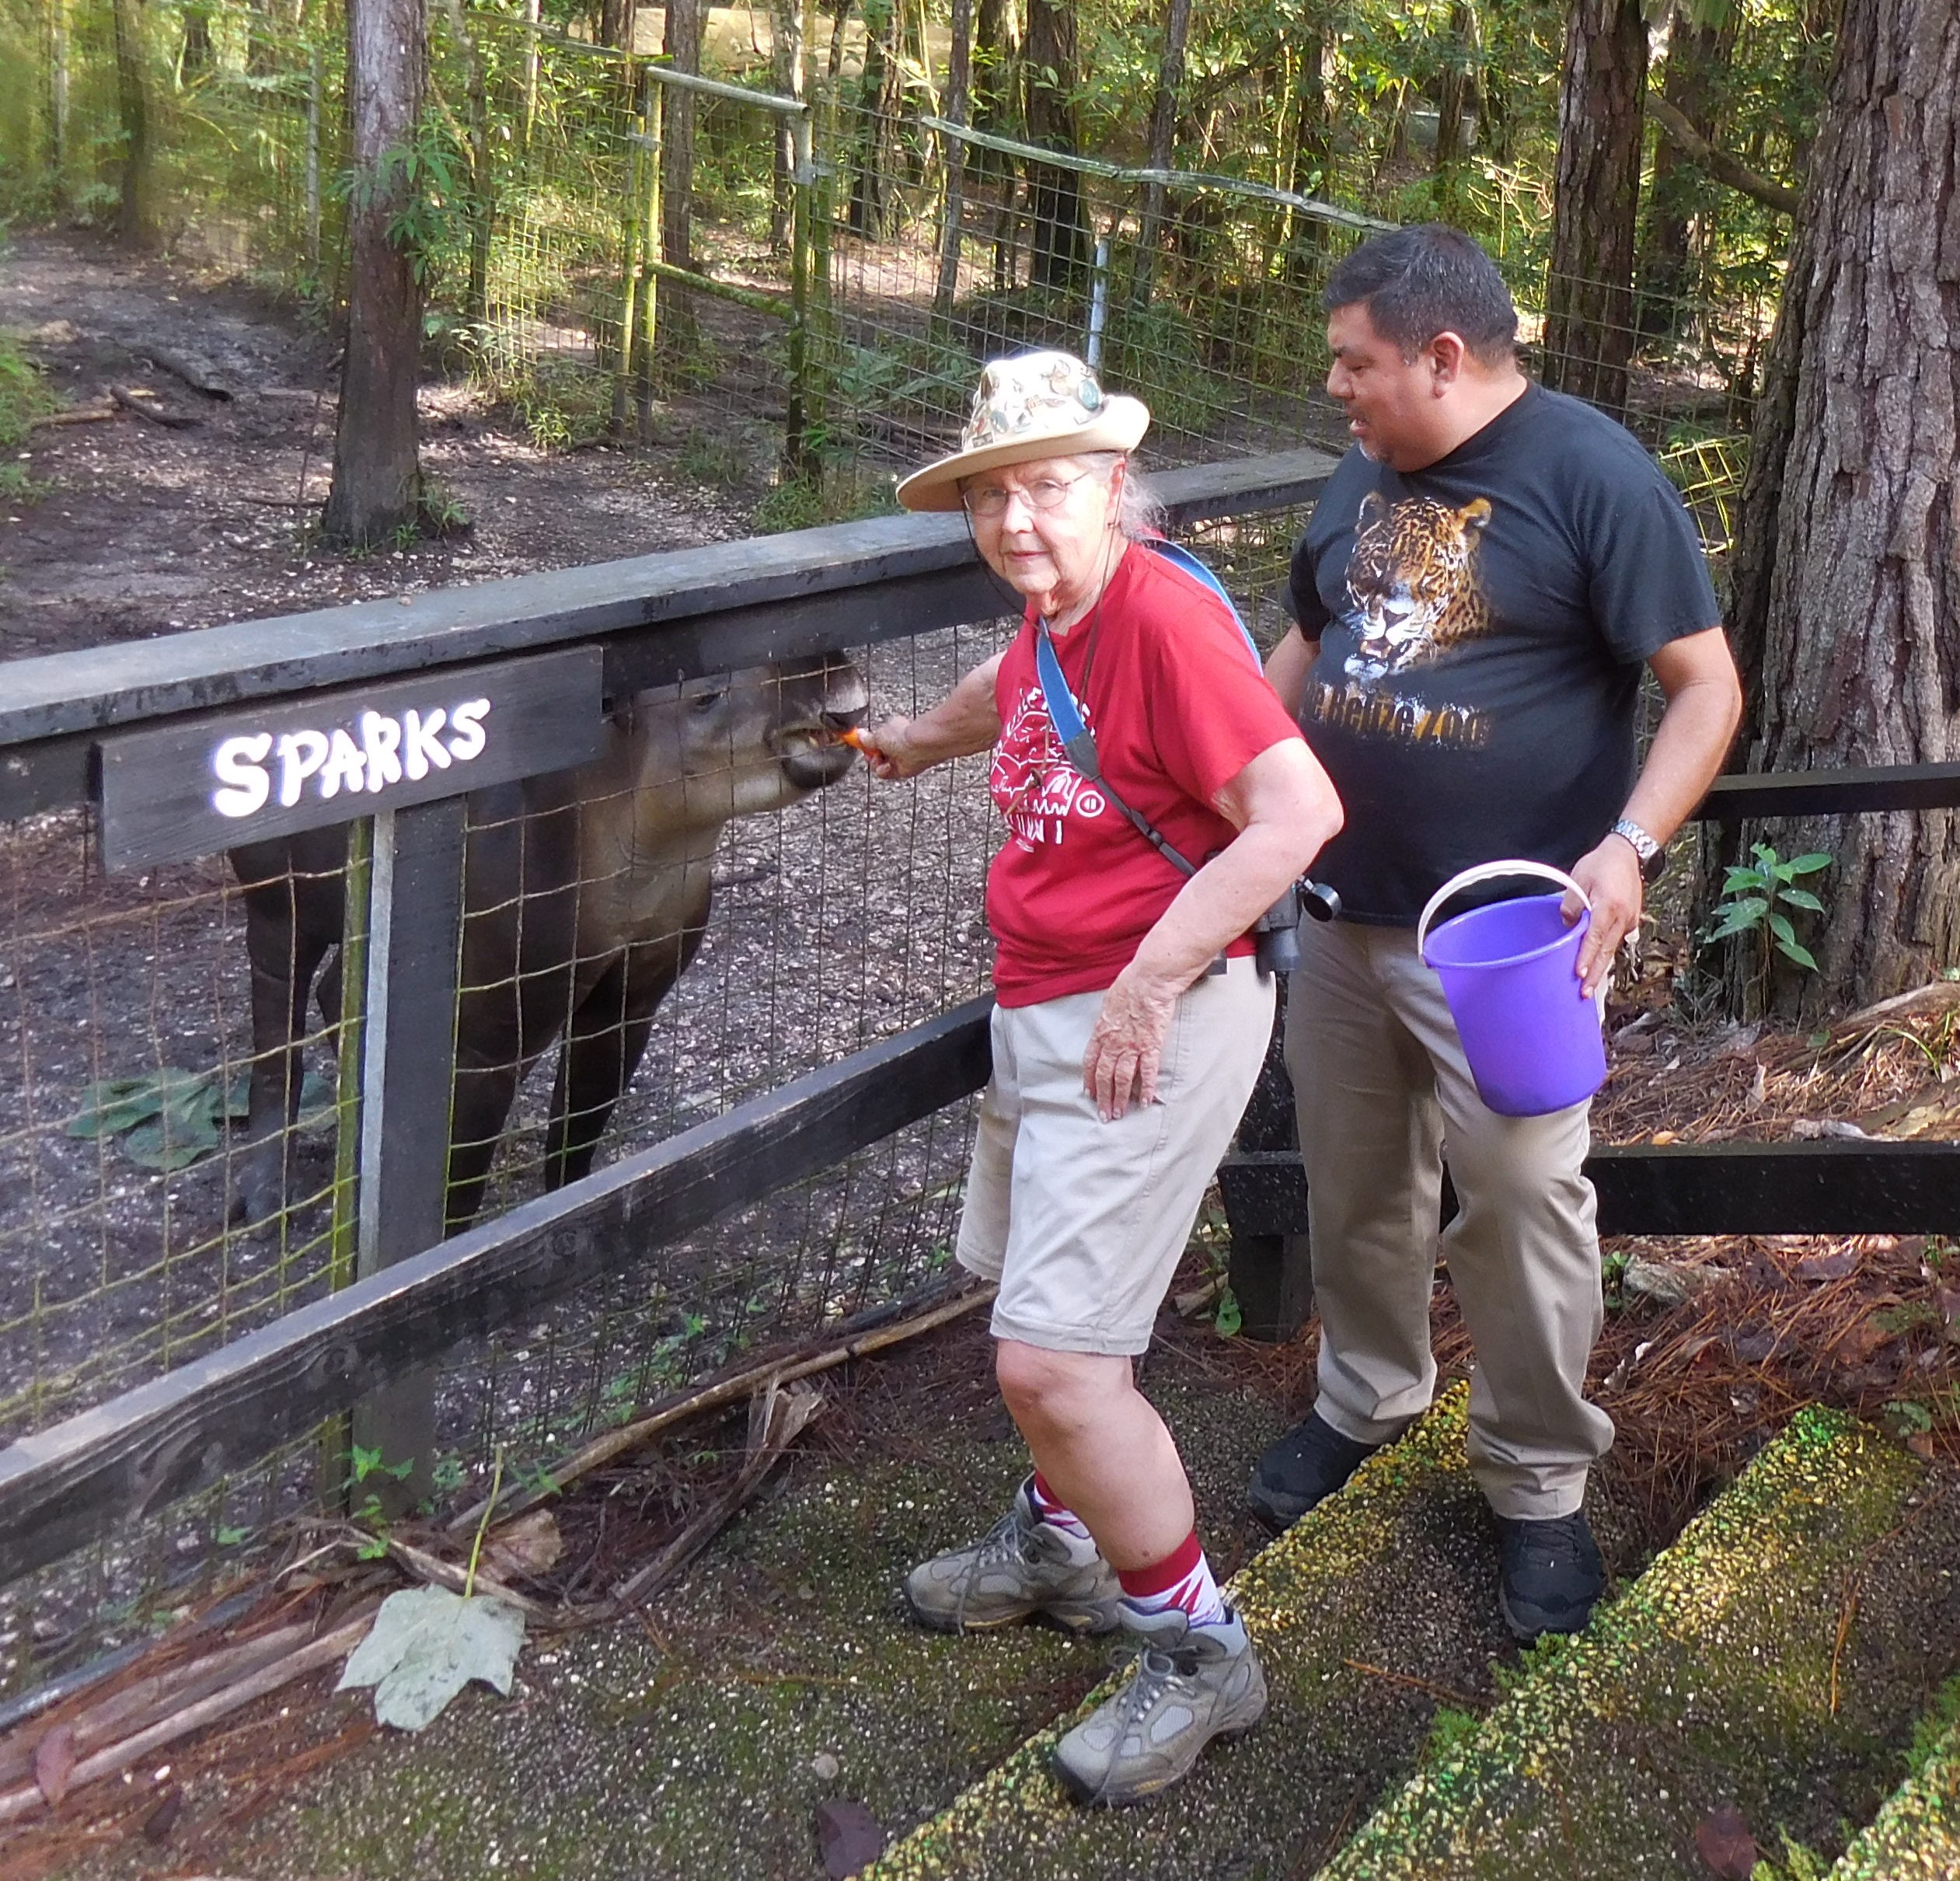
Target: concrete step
pixel 1774 1658
pixel 1916 1837
pixel 1381 1599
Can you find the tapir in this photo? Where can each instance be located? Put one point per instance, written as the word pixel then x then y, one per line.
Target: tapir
pixel 586 893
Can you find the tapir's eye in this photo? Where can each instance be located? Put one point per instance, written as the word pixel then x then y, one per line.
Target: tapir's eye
pixel 702 704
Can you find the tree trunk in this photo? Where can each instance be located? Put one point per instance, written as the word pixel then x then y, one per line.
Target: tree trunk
pixel 1698 56
pixel 881 99
pixel 1060 231
pixel 1163 133
pixel 136 215
pixel 1589 292
pixel 377 486
pixel 953 213
pixel 1456 90
pixel 1846 608
pixel 786 78
pixel 685 20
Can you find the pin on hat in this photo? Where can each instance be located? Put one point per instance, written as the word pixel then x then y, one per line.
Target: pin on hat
pixel 1032 405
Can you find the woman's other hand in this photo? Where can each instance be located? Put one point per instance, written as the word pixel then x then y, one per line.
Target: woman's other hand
pixel 1126 1047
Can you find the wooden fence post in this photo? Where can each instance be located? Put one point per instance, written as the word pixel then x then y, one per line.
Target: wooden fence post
pixel 408 1065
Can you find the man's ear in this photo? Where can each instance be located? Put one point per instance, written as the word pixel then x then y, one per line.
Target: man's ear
pixel 1447 354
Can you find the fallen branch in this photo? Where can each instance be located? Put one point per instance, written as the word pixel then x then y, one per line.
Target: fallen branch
pixel 426 1567
pixel 1719 163
pixel 1462 1700
pixel 137 1706
pixel 154 415
pixel 75 414
pixel 1936 995
pixel 195 372
pixel 18 1804
pixel 782 1369
pixel 776 1419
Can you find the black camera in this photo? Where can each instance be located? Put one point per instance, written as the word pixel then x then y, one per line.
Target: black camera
pixel 1276 944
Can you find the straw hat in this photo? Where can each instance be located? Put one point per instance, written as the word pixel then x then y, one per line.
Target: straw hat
pixel 1033 406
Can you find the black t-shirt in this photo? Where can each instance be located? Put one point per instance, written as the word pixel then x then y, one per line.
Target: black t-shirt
pixel 1483 623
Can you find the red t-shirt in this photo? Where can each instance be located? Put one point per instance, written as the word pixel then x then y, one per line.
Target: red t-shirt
pixel 1179 707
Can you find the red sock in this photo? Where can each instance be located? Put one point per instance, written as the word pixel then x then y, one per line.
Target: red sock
pixel 1182 1580
pixel 1050 1508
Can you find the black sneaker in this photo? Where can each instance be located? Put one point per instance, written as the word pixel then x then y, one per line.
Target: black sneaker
pixel 1552 1576
pixel 1304 1467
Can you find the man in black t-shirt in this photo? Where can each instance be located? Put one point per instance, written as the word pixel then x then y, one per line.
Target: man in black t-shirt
pixel 1481 582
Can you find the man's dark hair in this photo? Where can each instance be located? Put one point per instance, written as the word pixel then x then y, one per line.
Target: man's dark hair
pixel 1417 283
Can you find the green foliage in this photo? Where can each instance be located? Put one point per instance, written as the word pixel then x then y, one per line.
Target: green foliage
pixel 24 396
pixel 430 176
pixel 795 503
pixel 1940 1719
pixel 1229 1319
pixel 1450 1729
pixel 1754 904
pixel 1797 1863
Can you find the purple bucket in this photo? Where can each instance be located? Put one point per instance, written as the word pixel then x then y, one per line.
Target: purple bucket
pixel 1510 973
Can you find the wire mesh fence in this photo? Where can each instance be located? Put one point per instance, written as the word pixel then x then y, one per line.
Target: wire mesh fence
pixel 817 330
pixel 791 294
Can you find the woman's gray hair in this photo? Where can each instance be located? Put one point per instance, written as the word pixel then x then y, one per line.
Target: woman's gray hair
pixel 1141 511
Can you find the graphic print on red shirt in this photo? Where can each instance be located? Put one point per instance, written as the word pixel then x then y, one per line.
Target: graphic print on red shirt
pixel 1036 787
pixel 1163 676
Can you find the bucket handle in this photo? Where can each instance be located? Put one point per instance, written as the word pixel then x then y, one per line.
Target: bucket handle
pixel 1489 871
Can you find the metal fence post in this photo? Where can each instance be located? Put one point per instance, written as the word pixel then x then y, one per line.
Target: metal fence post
pixel 415 924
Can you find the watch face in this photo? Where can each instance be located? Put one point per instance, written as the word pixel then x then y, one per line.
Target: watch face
pixel 1650 867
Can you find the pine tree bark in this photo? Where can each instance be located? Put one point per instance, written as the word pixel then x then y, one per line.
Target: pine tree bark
pixel 1698 53
pixel 1060 259
pixel 687 21
pixel 1846 609
pixel 136 214
pixel 959 80
pixel 1588 290
pixel 1163 131
pixel 377 486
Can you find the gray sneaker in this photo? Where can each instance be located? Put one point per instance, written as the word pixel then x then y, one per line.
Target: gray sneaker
pixel 1022 1566
pixel 1148 1736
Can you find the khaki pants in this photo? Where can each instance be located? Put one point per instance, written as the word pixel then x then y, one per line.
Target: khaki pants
pixel 1082 1222
pixel 1384 1096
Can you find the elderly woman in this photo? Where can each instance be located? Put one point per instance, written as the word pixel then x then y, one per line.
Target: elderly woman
pixel 1131 1022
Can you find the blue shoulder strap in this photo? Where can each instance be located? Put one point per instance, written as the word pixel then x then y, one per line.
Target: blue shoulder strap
pixel 1181 557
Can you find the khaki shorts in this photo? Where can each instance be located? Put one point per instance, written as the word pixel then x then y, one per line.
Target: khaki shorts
pixel 1082 1222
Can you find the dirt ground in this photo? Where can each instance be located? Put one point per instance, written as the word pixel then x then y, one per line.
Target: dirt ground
pixel 149 530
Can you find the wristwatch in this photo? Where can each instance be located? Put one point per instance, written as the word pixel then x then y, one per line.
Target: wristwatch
pixel 1653 855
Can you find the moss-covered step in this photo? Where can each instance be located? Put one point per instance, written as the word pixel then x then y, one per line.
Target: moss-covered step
pixel 1916 1835
pixel 1774 1659
pixel 782 1675
pixel 1380 1600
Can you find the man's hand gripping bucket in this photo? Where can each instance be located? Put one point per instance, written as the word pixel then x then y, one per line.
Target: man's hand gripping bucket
pixel 1510 972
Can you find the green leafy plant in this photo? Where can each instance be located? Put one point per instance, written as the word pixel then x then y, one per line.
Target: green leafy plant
pixel 427 1643
pixel 1927 1734
pixel 1756 901
pixel 1229 1318
pixel 1797 1863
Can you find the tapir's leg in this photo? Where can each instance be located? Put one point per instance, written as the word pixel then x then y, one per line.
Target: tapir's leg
pixel 292 920
pixel 603 1047
pixel 516 979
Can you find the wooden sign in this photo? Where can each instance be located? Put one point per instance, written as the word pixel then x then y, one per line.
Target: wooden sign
pixel 204 785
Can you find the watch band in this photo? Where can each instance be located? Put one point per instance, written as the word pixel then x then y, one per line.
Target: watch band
pixel 1652 854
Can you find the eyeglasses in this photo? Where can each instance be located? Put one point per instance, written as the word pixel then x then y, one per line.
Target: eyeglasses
pixel 990 500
